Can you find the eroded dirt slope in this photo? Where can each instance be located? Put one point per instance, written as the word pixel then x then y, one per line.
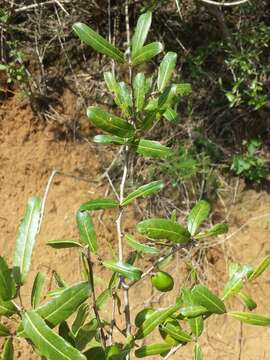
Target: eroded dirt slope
pixel 29 153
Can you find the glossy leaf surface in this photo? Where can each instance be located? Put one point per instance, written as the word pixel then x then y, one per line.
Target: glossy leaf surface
pixel 143 191
pixel 99 204
pixel 86 229
pixel 157 228
pixel 125 269
pixel 166 69
pixel 37 289
pixel 146 249
pixel 97 42
pixel 49 344
pixel 26 239
pixel 198 214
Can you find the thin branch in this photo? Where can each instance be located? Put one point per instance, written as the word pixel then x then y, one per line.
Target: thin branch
pixel 173 351
pixel 233 3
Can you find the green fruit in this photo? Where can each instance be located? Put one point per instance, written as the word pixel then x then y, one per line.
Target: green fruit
pixel 162 281
pixel 143 315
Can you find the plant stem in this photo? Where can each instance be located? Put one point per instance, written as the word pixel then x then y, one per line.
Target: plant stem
pixel 92 285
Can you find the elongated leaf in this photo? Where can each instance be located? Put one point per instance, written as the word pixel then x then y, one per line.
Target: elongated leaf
pixel 26 239
pixel 86 334
pixel 125 99
pixel 250 318
pixel 183 89
pixel 153 349
pixel 37 289
pixel 170 114
pixel 215 230
pixel 7 308
pixel 63 244
pixel 235 284
pixel 4 331
pixel 139 89
pixel 109 122
pixel 125 269
pixel 146 53
pixel 97 42
pixel 154 320
pixel 163 229
pixel 99 204
pixel 166 69
pixel 203 296
pixel 146 249
pixel 196 324
pixel 65 332
pixel 95 353
pixel 49 344
pixel 8 350
pixel 64 305
pixel 86 229
pixel 167 98
pixel 198 214
pixel 7 285
pixel 153 148
pixel 141 31
pixel 109 140
pixel 197 352
pixel 259 269
pixel 103 298
pixel 247 300
pixel 176 332
pixel 80 319
pixel 193 311
pixel 143 191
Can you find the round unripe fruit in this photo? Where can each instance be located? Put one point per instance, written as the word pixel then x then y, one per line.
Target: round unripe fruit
pixel 162 281
pixel 143 315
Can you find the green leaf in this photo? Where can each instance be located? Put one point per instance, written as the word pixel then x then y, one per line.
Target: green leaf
pixel 163 229
pixel 63 244
pixel 7 285
pixel 80 319
pixel 97 42
pixel 247 300
pixel 125 99
pixel 95 353
pixel 8 350
pixel 183 89
pixel 146 53
pixel 86 229
pixel 86 334
pixel 139 89
pixel 166 99
pixel 215 230
pixel 203 296
pixel 250 318
pixel 154 320
pixel 143 191
pixel 49 344
pixel 197 352
pixel 109 140
pixel 153 349
pixel 7 308
pixel 153 148
pixel 37 289
pixel 65 333
pixel 99 204
pixel 235 284
pixel 259 269
pixel 109 122
pixel 198 214
pixel 196 324
pixel 126 270
pixel 26 240
pixel 4 331
pixel 176 332
pixel 166 69
pixel 140 247
pixel 141 31
pixel 64 305
pixel 103 298
pixel 170 114
pixel 192 311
